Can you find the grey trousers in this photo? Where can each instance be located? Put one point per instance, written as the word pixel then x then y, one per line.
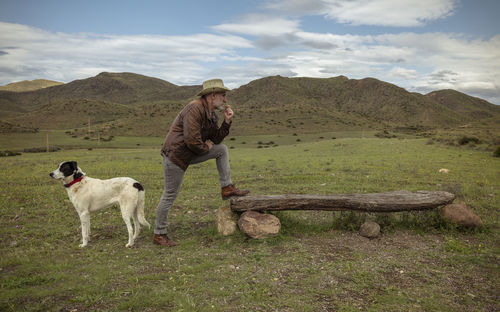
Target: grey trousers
pixel 173 176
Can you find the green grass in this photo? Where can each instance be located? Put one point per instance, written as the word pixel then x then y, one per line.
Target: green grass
pixel 65 139
pixel 20 141
pixel 318 262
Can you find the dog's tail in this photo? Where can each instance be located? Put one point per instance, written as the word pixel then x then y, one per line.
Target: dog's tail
pixel 140 206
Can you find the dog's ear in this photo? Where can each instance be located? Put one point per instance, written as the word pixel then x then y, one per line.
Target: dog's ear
pixel 74 166
pixel 77 175
pixel 77 172
pixel 68 168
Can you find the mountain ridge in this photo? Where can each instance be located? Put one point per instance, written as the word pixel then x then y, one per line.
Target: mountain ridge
pixel 134 104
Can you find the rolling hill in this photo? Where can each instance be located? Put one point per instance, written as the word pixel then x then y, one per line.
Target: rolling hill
pixel 472 106
pixel 32 85
pixel 366 102
pixel 123 88
pixel 132 104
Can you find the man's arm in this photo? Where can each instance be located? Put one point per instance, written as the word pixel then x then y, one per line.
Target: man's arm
pixel 223 130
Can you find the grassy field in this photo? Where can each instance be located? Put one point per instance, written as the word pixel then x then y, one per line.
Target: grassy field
pixel 318 262
pixel 61 138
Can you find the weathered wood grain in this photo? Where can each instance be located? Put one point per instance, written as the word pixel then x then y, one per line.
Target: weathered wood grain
pixel 374 202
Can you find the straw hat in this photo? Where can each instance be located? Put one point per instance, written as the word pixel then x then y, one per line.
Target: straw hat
pixel 213 85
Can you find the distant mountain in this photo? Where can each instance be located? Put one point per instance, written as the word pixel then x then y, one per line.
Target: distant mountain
pixel 123 88
pixel 462 103
pixel 132 104
pixel 362 100
pixel 32 85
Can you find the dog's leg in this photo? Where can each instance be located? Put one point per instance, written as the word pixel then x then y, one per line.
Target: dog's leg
pixel 140 209
pixel 85 221
pixel 137 225
pixel 126 215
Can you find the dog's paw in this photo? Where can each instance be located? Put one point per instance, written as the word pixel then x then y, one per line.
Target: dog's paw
pixel 82 245
pixel 129 245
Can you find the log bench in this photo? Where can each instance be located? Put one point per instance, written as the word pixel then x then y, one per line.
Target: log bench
pixel 258 225
pixel 375 202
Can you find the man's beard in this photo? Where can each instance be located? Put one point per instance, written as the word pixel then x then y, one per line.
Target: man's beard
pixel 220 107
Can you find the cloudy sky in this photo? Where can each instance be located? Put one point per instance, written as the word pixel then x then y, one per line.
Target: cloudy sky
pixel 420 45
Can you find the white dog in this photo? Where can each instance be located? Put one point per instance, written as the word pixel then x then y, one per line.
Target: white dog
pixel 88 194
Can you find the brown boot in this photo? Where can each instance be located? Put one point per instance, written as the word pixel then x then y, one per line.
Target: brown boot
pixel 163 240
pixel 230 191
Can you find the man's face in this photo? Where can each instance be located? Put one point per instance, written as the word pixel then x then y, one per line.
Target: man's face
pixel 219 100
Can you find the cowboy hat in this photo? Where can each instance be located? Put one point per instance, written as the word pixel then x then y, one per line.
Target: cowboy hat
pixel 213 85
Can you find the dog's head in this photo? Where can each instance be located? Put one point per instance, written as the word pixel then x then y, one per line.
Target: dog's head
pixel 67 169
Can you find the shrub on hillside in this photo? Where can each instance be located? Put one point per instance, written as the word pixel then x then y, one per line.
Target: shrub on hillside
pixel 41 149
pixel 385 134
pixel 496 153
pixel 104 139
pixel 466 140
pixel 8 153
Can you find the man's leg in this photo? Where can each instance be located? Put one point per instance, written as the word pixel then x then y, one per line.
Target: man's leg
pixel 173 176
pixel 221 155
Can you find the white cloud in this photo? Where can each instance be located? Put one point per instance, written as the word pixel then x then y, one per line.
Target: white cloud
pixel 260 25
pixel 451 61
pixel 417 62
pixel 29 52
pixel 404 73
pixel 400 13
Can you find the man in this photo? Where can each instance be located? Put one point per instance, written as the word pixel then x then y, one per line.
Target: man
pixel 194 137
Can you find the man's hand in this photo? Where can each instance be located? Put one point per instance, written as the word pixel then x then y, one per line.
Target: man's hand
pixel 209 144
pixel 228 113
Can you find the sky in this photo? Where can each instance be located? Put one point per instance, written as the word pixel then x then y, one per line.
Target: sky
pixel 420 45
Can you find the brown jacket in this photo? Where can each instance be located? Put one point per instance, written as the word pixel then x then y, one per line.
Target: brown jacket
pixel 191 128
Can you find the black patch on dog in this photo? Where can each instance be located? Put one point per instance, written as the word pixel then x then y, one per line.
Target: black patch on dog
pixel 68 168
pixel 138 186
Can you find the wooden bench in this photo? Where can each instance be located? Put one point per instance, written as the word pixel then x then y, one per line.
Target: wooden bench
pixel 258 225
pixel 375 202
